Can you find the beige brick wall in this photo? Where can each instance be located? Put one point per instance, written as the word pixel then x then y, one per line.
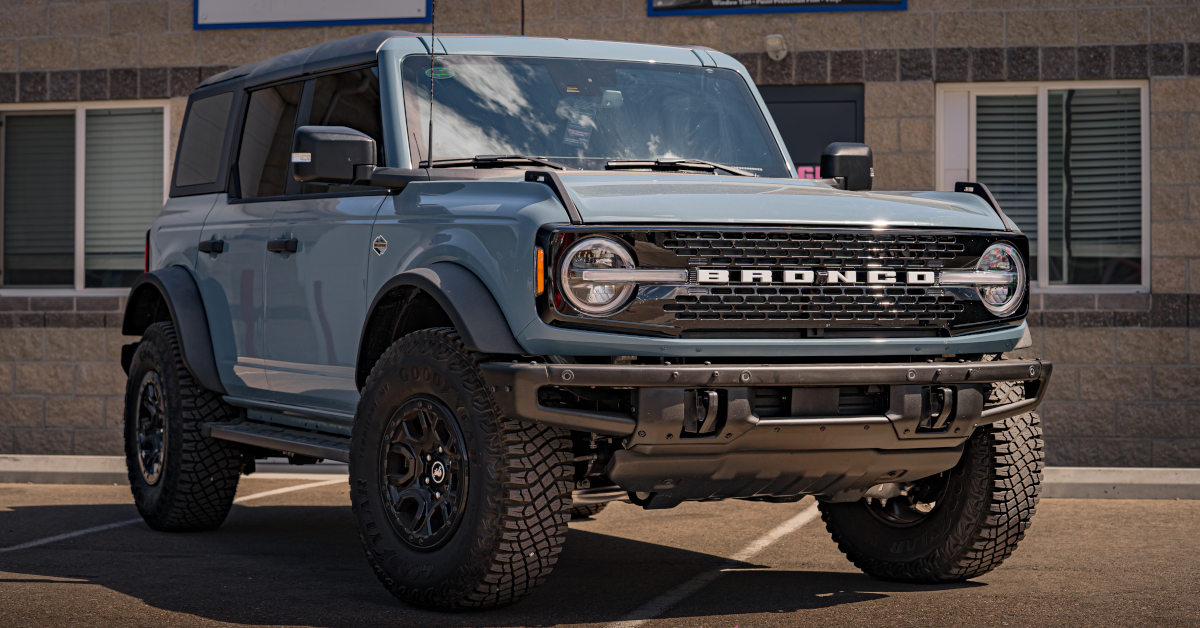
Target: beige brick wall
pixel 61 390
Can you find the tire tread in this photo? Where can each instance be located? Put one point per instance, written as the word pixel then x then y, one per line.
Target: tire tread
pixel 1005 484
pixel 530 470
pixel 199 493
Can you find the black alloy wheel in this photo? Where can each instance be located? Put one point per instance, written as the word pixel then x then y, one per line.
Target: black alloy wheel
pixel 151 429
pixel 457 506
pixel 182 479
pixel 916 502
pixel 424 471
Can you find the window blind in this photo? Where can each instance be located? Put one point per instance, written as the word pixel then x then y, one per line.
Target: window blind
pixel 1006 156
pixel 123 191
pixel 39 200
pixel 1098 137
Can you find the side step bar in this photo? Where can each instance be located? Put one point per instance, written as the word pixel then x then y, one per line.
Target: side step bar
pixel 338 448
pixel 282 439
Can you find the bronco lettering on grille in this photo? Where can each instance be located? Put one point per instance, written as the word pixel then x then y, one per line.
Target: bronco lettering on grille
pixel 872 277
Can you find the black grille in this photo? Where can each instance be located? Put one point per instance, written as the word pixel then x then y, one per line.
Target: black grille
pixel 840 298
pixel 818 303
pixel 826 250
pixel 815 250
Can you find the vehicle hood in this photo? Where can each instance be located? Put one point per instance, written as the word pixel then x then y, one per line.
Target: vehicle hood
pixel 684 198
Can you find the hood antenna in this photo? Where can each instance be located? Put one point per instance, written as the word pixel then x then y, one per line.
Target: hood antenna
pixel 432 56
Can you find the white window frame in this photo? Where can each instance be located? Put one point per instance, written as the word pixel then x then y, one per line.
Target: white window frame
pixel 80 110
pixel 1042 90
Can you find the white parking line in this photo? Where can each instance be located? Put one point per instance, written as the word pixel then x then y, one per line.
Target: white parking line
pixel 110 526
pixel 664 602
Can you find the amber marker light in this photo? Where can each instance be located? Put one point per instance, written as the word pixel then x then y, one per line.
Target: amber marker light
pixel 541 271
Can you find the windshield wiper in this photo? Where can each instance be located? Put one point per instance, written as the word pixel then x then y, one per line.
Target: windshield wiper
pixel 669 165
pixel 494 161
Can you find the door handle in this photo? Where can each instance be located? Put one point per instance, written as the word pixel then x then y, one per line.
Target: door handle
pixel 283 246
pixel 212 246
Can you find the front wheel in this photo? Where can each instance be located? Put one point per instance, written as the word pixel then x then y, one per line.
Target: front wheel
pixel 953 526
pixel 456 506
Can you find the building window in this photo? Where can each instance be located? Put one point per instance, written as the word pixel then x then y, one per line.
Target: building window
pixel 1068 163
pixel 811 117
pixel 79 186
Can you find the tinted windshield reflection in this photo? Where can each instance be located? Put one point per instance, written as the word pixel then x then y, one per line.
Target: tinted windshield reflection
pixel 583 113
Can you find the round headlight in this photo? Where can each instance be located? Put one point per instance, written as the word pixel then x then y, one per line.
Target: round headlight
pixel 1003 294
pixel 596 298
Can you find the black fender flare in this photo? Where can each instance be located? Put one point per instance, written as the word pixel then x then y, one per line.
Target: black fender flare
pixel 175 288
pixel 468 303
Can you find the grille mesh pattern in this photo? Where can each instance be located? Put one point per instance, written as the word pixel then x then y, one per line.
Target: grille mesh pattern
pixel 824 250
pixel 818 303
pixel 817 251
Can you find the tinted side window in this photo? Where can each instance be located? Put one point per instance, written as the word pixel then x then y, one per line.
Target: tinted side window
pixel 203 138
pixel 266 148
pixel 349 99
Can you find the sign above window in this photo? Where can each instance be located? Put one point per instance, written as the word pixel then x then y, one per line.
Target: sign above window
pixel 720 7
pixel 213 14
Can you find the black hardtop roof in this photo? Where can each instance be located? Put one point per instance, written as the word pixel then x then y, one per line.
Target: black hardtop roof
pixel 327 56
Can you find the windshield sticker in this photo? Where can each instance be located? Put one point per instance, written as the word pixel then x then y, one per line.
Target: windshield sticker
pixel 440 72
pixel 571 89
pixel 581 120
pixel 578 137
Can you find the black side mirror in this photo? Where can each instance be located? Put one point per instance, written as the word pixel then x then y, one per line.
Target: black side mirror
pixel 330 154
pixel 850 162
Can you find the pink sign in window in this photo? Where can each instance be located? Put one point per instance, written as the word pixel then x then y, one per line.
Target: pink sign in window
pixel 809 172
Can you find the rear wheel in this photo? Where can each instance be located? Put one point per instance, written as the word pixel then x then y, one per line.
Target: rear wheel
pixel 182 481
pixel 956 525
pixel 584 512
pixel 457 506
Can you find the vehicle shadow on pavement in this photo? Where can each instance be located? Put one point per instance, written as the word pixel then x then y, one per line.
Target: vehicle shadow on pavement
pixel 303 565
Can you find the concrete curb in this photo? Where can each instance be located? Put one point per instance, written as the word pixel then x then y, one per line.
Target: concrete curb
pixel 1121 483
pixel 1060 482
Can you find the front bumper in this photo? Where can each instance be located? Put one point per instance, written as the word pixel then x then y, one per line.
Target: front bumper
pixel 752 456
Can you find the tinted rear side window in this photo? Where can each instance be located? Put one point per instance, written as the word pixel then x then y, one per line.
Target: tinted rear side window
pixel 266 148
pixel 203 138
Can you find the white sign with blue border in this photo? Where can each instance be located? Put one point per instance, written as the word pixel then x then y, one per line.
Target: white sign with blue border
pixel 726 7
pixel 214 14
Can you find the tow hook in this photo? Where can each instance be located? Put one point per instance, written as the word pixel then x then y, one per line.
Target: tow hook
pixel 702 412
pixel 946 400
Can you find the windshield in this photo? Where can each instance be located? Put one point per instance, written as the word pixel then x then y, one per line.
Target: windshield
pixel 583 113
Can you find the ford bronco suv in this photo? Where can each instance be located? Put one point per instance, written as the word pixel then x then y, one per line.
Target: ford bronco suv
pixel 509 280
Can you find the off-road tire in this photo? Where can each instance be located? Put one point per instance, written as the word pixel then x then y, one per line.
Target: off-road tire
pixel 584 512
pixel 518 500
pixel 991 496
pixel 199 474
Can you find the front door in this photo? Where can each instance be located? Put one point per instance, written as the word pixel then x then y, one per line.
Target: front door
pixel 317 300
pixel 316 295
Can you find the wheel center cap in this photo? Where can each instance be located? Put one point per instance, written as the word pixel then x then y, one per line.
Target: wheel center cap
pixel 437 472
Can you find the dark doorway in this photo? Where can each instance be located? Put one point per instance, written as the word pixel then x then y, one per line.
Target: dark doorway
pixel 810 117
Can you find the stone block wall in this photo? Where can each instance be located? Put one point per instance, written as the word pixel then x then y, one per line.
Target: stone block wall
pixel 61 383
pixel 1126 385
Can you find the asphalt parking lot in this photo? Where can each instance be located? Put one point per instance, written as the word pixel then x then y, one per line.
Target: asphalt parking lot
pixel 293 559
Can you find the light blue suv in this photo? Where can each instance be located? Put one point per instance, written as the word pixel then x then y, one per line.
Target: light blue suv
pixel 522 277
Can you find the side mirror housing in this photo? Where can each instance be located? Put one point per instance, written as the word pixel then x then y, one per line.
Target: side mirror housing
pixel 850 162
pixel 330 154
